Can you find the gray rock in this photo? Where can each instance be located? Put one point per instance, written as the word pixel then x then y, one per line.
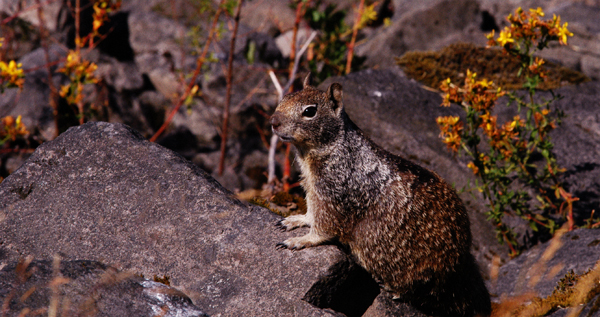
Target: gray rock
pixel 203 121
pixel 266 49
pixel 284 41
pixel 87 287
pixel 101 192
pixel 153 32
pixel 50 11
pixel 157 42
pixel 428 25
pixel 119 75
pixel 578 250
pixel 590 65
pixel 269 16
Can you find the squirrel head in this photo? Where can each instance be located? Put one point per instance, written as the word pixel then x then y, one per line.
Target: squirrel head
pixel 310 118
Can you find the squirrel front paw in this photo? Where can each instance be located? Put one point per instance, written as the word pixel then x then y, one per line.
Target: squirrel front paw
pixel 299 243
pixel 292 244
pixel 292 222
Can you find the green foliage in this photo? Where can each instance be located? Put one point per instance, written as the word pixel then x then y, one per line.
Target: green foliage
pixel 331 47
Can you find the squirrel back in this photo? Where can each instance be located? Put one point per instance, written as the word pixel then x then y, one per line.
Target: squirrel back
pixel 401 222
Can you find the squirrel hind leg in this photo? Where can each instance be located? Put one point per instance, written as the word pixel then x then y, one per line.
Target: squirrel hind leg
pixel 293 222
pixel 311 239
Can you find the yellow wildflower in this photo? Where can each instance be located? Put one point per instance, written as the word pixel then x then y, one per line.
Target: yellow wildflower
pixel 12 72
pixel 12 128
pixel 472 166
pixel 64 90
pixel 537 12
pixel 505 37
pixel 563 33
pixel 484 83
pixel 369 14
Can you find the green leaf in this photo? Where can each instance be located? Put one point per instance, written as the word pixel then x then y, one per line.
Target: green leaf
pixel 533 226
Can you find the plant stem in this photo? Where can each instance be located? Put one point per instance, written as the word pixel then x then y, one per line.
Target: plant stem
pixel 354 33
pixel 78 50
pixel 295 36
pixel 228 94
pixel 53 91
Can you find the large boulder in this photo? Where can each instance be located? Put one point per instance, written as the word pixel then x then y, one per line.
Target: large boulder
pixel 426 25
pixel 101 192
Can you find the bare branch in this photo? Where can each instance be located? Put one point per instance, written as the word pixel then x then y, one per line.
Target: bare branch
pixel 271 168
pixel 354 33
pixel 297 61
pixel 277 85
pixel 228 93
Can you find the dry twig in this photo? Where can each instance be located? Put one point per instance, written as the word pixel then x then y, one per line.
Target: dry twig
pixel 228 94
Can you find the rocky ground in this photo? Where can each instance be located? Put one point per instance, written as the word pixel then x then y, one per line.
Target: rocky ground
pixel 121 213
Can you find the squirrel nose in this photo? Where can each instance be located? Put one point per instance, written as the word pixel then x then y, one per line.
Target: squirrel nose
pixel 275 121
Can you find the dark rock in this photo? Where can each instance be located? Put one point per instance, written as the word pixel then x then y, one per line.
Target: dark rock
pixel 265 49
pixel 88 287
pixel 101 192
pixel 157 44
pixel 50 11
pixel 384 306
pixel 428 25
pixel 119 75
pixel 115 43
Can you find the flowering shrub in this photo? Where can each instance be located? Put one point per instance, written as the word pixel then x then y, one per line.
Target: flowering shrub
pixel 11 74
pixel 79 70
pixel 505 165
pixel 102 8
pixel 11 129
pixel 80 73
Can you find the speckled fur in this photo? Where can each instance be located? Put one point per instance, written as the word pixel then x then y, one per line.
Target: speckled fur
pixel 399 221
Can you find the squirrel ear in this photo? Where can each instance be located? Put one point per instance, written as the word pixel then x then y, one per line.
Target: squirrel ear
pixel 334 93
pixel 307 81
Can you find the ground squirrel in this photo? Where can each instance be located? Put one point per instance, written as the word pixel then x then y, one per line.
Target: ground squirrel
pixel 401 222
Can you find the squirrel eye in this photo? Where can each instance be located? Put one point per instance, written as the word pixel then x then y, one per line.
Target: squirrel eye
pixel 309 111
